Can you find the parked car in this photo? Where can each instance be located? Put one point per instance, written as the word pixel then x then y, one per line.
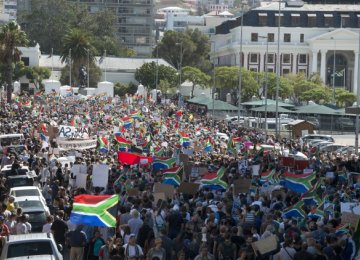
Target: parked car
pixel 313 120
pixel 344 123
pixel 331 147
pixel 311 137
pixel 26 191
pixel 8 171
pixel 31 246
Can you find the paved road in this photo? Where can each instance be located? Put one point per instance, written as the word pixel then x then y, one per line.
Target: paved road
pixel 346 139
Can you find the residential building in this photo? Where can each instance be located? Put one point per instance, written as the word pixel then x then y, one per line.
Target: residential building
pixel 179 19
pixel 135 22
pixel 314 38
pixel 113 69
pixel 216 5
pixel 10 8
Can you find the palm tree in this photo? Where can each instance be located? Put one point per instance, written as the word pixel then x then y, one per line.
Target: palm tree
pixel 11 37
pixel 77 46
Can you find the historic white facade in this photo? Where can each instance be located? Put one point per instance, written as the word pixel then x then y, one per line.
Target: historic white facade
pixel 310 37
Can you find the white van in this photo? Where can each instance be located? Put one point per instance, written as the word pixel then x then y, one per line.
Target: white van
pixel 11 139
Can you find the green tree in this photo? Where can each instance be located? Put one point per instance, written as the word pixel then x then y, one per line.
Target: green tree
pixel 82 53
pixel 320 94
pixel 11 37
pixel 37 74
pixel 285 87
pixel 49 21
pixel 121 89
pixel 228 77
pixel 196 77
pixel 146 74
pixel 189 48
pixel 344 98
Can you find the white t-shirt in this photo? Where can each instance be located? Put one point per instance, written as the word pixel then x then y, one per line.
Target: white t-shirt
pixel 47 228
pixel 21 228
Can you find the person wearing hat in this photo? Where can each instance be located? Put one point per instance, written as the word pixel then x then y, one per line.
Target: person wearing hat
pixel 132 250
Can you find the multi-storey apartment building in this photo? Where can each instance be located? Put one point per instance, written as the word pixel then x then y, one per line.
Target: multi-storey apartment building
pixel 135 21
pixel 314 38
pixel 8 8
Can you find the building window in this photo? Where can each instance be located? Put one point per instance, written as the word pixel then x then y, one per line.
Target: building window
pixel 254 58
pixel 285 71
pixel 270 58
pixel 303 71
pixel 358 20
pixel 277 19
pixel 286 58
pixel 25 60
pixel 295 20
pixel 271 69
pixel 254 37
pixel 254 69
pixel 262 19
pixel 302 58
pixel 301 37
pixel 345 20
pixel 287 37
pixel 328 20
pixel 271 37
pixel 311 20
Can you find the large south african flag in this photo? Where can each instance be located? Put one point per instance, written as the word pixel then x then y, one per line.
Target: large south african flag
pixel 94 210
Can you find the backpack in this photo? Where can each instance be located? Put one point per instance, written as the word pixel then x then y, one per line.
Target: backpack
pixel 227 250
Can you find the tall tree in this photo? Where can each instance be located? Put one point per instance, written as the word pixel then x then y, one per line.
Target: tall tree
pixel 189 48
pixel 37 74
pixel 146 74
pixel 78 48
pixel 11 37
pixel 196 77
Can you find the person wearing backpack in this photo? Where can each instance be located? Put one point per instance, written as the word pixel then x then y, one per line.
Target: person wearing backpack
pixel 132 250
pixel 227 249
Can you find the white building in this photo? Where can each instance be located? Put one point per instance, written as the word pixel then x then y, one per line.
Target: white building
pixel 310 37
pixel 216 5
pixel 10 8
pixel 113 69
pixel 179 19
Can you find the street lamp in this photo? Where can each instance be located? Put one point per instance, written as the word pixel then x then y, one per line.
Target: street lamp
pixel 334 69
pixel 88 68
pixel 70 67
pixel 277 125
pixel 157 71
pixel 240 60
pixel 180 67
pixel 358 100
pixel 266 81
pixel 213 88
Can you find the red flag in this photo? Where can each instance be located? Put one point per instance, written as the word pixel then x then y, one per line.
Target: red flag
pixel 132 158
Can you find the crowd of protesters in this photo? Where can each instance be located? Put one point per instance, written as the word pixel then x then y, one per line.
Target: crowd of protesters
pixel 211 224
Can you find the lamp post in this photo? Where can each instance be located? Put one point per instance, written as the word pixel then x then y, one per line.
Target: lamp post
pixel 157 71
pixel 88 68
pixel 358 100
pixel 70 67
pixel 180 67
pixel 266 81
pixel 213 88
pixel 334 69
pixel 240 60
pixel 277 124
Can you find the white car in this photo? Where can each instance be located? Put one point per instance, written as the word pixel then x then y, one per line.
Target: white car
pixel 31 202
pixel 223 137
pixel 27 191
pixel 6 170
pixel 31 246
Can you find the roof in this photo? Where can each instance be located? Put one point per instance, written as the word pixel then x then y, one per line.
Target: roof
pixel 274 6
pixel 218 104
pixel 108 63
pixel 317 109
pixel 25 188
pixel 298 121
pixel 225 13
pixel 31 236
pixel 271 108
pixel 269 102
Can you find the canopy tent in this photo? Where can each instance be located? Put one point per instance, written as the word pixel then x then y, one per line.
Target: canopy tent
pixel 317 109
pixel 269 102
pixel 208 102
pixel 271 109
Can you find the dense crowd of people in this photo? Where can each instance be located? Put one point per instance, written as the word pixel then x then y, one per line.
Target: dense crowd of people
pixel 208 224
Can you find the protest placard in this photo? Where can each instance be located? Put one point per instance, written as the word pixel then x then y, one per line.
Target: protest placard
pixel 350 218
pixel 265 246
pixel 159 196
pixel 241 185
pixel 188 188
pixel 168 190
pixel 132 192
pixel 100 175
pixel 81 180
pixel 184 158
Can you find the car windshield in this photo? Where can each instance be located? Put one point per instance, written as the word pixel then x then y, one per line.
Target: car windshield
pixel 29 249
pixel 36 217
pixel 29 204
pixel 19 182
pixel 23 193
